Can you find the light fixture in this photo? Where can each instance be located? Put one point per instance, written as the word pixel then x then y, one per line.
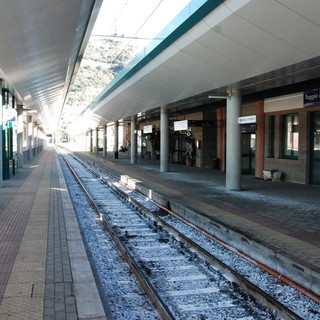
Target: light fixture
pixel 227 95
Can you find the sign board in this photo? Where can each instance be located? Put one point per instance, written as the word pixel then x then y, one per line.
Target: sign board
pixel 9 115
pixel 180 125
pixel 148 129
pixel 311 98
pixel 247 119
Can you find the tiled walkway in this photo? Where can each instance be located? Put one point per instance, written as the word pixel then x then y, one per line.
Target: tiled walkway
pixel 41 247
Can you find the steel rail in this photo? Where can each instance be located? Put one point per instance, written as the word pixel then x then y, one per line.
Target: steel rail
pixel 250 288
pixel 148 288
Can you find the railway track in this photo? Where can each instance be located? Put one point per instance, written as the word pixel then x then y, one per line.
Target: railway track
pixel 180 279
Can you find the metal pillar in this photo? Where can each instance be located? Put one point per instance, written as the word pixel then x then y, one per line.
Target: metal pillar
pixel 104 140
pixel 164 140
pixel 1 145
pixel 233 148
pixel 20 135
pixel 134 145
pixel 29 137
pixel 97 140
pixel 116 140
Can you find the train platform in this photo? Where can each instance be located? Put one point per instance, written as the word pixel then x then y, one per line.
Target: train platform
pixel 45 272
pixel 44 269
pixel 275 222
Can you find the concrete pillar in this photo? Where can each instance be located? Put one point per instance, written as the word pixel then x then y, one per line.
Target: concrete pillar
pixel 134 146
pixel 233 148
pixel 35 138
pixel 164 140
pixel 221 137
pixel 104 147
pixel 260 140
pixel 1 146
pixel 20 135
pixel 29 137
pixel 97 140
pixel 116 140
pixel 91 142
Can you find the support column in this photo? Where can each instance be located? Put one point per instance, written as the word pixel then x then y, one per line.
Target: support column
pixel 35 138
pixel 164 140
pixel 260 140
pixel 221 137
pixel 104 147
pixel 133 149
pixel 91 142
pixel 1 146
pixel 97 140
pixel 29 137
pixel 233 148
pixel 20 135
pixel 116 140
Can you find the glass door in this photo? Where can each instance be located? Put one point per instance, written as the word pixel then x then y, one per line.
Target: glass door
pixel 248 150
pixel 315 149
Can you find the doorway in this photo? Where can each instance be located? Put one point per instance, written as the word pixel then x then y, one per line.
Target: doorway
pixel 315 149
pixel 248 153
pixel 178 148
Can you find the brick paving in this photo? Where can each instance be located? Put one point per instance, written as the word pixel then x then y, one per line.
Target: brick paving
pixel 60 300
pixel 35 273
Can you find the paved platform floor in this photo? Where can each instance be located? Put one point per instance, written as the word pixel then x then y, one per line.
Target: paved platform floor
pixel 44 270
pixel 279 216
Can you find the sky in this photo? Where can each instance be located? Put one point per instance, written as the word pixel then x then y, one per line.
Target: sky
pixel 136 18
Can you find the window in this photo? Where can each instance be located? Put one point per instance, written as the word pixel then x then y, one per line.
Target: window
pixel 291 136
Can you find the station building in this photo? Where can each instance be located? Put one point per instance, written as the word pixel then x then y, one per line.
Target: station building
pixel 232 86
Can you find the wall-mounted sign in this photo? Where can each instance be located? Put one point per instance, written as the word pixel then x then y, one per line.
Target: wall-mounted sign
pixel 180 125
pixel 311 98
pixel 148 129
pixel 247 119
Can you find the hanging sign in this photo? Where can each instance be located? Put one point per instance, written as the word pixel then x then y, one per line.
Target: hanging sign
pixel 147 129
pixel 9 115
pixel 180 125
pixel 247 119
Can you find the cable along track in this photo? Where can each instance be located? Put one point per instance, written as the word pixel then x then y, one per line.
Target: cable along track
pixel 180 279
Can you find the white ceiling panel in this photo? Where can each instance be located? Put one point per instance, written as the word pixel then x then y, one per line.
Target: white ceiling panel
pixel 40 41
pixel 284 23
pixel 309 9
pixel 263 43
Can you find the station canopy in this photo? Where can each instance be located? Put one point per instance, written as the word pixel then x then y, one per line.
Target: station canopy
pixel 252 45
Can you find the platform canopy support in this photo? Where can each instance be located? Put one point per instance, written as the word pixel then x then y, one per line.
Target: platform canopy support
pixel 104 147
pixel 164 139
pixel 233 143
pixel 116 140
pixel 133 149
